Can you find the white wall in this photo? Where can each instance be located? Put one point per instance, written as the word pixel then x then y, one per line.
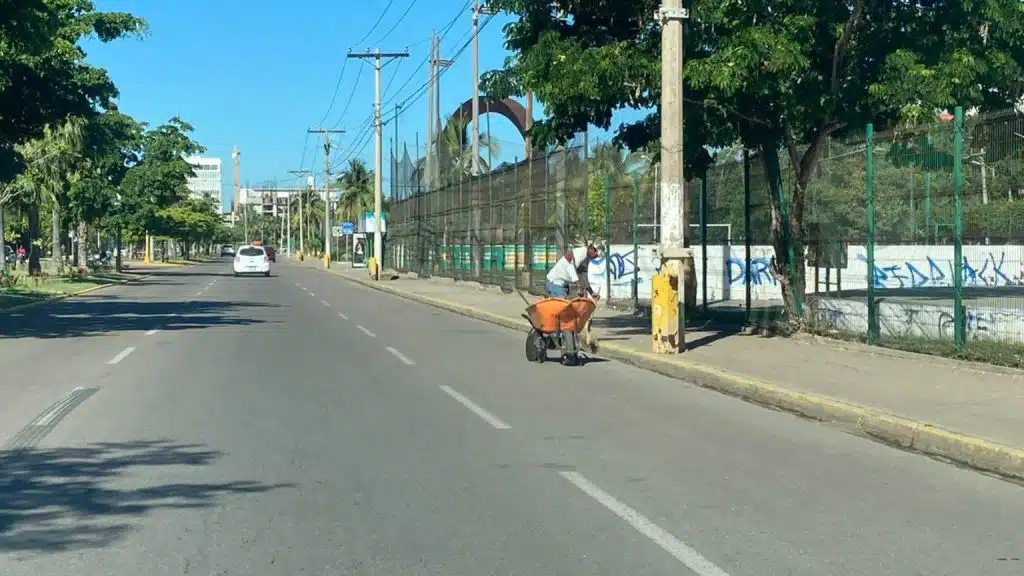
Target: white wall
pixel 896 267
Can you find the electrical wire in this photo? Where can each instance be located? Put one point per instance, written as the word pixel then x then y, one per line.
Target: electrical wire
pixel 397 22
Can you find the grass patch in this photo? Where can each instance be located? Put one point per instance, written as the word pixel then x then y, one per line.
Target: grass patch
pixel 21 289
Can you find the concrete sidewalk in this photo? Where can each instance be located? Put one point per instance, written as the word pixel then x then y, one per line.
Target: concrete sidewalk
pixel 968 413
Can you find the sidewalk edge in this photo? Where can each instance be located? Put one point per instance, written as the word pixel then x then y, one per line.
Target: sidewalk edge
pixel 59 297
pixel 904 433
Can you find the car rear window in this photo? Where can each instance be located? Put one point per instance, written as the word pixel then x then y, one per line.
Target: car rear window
pixel 251 251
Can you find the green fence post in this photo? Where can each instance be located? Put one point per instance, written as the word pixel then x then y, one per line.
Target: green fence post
pixel 958 229
pixel 704 240
pixel 746 234
pixel 636 241
pixel 869 185
pixel 608 237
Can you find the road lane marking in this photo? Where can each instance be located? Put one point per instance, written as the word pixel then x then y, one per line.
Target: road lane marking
pixel 663 538
pixel 475 409
pixel 200 293
pixel 312 294
pixel 342 316
pixel 405 360
pixel 366 331
pixel 45 418
pixel 121 355
pixel 151 332
pixel 324 302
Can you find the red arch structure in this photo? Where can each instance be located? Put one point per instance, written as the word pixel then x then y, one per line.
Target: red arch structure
pixel 514 111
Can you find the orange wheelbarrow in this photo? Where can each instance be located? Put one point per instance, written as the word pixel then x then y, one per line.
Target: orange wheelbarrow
pixel 556 324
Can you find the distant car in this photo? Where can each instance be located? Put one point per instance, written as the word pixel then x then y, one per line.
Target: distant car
pixel 251 260
pixel 271 253
pixel 227 251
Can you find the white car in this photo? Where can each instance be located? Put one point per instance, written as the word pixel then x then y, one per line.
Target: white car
pixel 251 260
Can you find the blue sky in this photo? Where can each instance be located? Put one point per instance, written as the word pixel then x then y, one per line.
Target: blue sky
pixel 258 74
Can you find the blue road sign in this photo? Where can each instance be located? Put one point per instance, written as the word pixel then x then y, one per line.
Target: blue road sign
pixel 347 228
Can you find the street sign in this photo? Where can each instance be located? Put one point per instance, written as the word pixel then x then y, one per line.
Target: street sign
pixel 347 228
pixel 336 231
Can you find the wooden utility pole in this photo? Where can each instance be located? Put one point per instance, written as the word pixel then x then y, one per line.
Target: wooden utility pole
pixel 326 133
pixel 668 330
pixel 428 155
pixel 380 59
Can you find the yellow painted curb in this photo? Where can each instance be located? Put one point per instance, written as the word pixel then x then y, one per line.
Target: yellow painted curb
pixel 903 432
pixel 60 297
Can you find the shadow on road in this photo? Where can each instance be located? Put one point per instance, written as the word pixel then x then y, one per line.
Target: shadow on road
pixel 59 499
pixel 96 316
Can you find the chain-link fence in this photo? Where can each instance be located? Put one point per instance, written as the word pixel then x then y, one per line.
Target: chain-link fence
pixel 908 238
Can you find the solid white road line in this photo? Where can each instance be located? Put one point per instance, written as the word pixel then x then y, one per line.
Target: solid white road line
pixel 405 360
pixel 475 409
pixel 665 540
pixel 366 331
pixel 151 332
pixel 342 316
pixel 52 413
pixel 121 355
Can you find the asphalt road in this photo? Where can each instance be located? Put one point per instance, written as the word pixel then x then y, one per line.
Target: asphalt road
pixel 199 423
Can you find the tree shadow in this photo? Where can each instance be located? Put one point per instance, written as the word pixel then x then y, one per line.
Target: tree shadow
pixel 92 316
pixel 60 499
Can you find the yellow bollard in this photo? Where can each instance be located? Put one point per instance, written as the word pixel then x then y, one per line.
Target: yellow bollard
pixel 665 308
pixel 327 262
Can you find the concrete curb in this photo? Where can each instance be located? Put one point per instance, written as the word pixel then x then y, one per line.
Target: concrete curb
pixel 908 434
pixel 59 297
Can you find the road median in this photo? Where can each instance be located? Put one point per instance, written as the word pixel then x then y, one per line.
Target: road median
pixel 31 296
pixel 906 433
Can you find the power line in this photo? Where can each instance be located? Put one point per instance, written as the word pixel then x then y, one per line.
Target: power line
pixel 375 24
pixel 397 22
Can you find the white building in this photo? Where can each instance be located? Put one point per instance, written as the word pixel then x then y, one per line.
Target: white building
pixel 266 200
pixel 206 179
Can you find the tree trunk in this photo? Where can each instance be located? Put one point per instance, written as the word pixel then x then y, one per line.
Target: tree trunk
pixel 117 248
pixel 35 268
pixel 3 243
pixel 55 235
pixel 83 245
pixel 788 264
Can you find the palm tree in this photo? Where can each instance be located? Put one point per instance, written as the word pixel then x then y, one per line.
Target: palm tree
pixel 357 191
pixel 53 164
pixel 455 160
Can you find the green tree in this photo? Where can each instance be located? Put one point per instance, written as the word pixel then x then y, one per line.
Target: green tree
pixel 44 77
pixel 52 165
pixel 774 76
pixel 357 191
pixel 159 180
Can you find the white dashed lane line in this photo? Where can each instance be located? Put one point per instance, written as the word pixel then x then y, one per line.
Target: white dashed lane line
pixel 121 355
pixel 366 331
pixel 484 415
pixel 405 360
pixel 342 316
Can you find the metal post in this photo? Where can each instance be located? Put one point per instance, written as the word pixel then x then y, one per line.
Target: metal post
pixel 958 229
pixel 607 238
pixel 746 233
pixel 636 241
pixel 872 335
pixel 668 330
pixel 704 240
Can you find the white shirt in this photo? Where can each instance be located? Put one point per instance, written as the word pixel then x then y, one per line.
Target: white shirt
pixel 563 272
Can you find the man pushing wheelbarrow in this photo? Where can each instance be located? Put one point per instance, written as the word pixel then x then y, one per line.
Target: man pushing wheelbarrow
pixel 573 268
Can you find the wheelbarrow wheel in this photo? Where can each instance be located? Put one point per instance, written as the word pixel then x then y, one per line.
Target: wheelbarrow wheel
pixel 536 346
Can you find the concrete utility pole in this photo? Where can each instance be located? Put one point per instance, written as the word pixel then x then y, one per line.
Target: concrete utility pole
pixel 378 218
pixel 477 11
pixel 668 330
pixel 302 227
pixel 395 191
pixel 428 155
pixel 439 65
pixel 235 156
pixel 327 189
pixel 476 87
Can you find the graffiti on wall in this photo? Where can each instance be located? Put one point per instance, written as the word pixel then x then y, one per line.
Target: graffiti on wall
pixel 992 271
pixel 760 272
